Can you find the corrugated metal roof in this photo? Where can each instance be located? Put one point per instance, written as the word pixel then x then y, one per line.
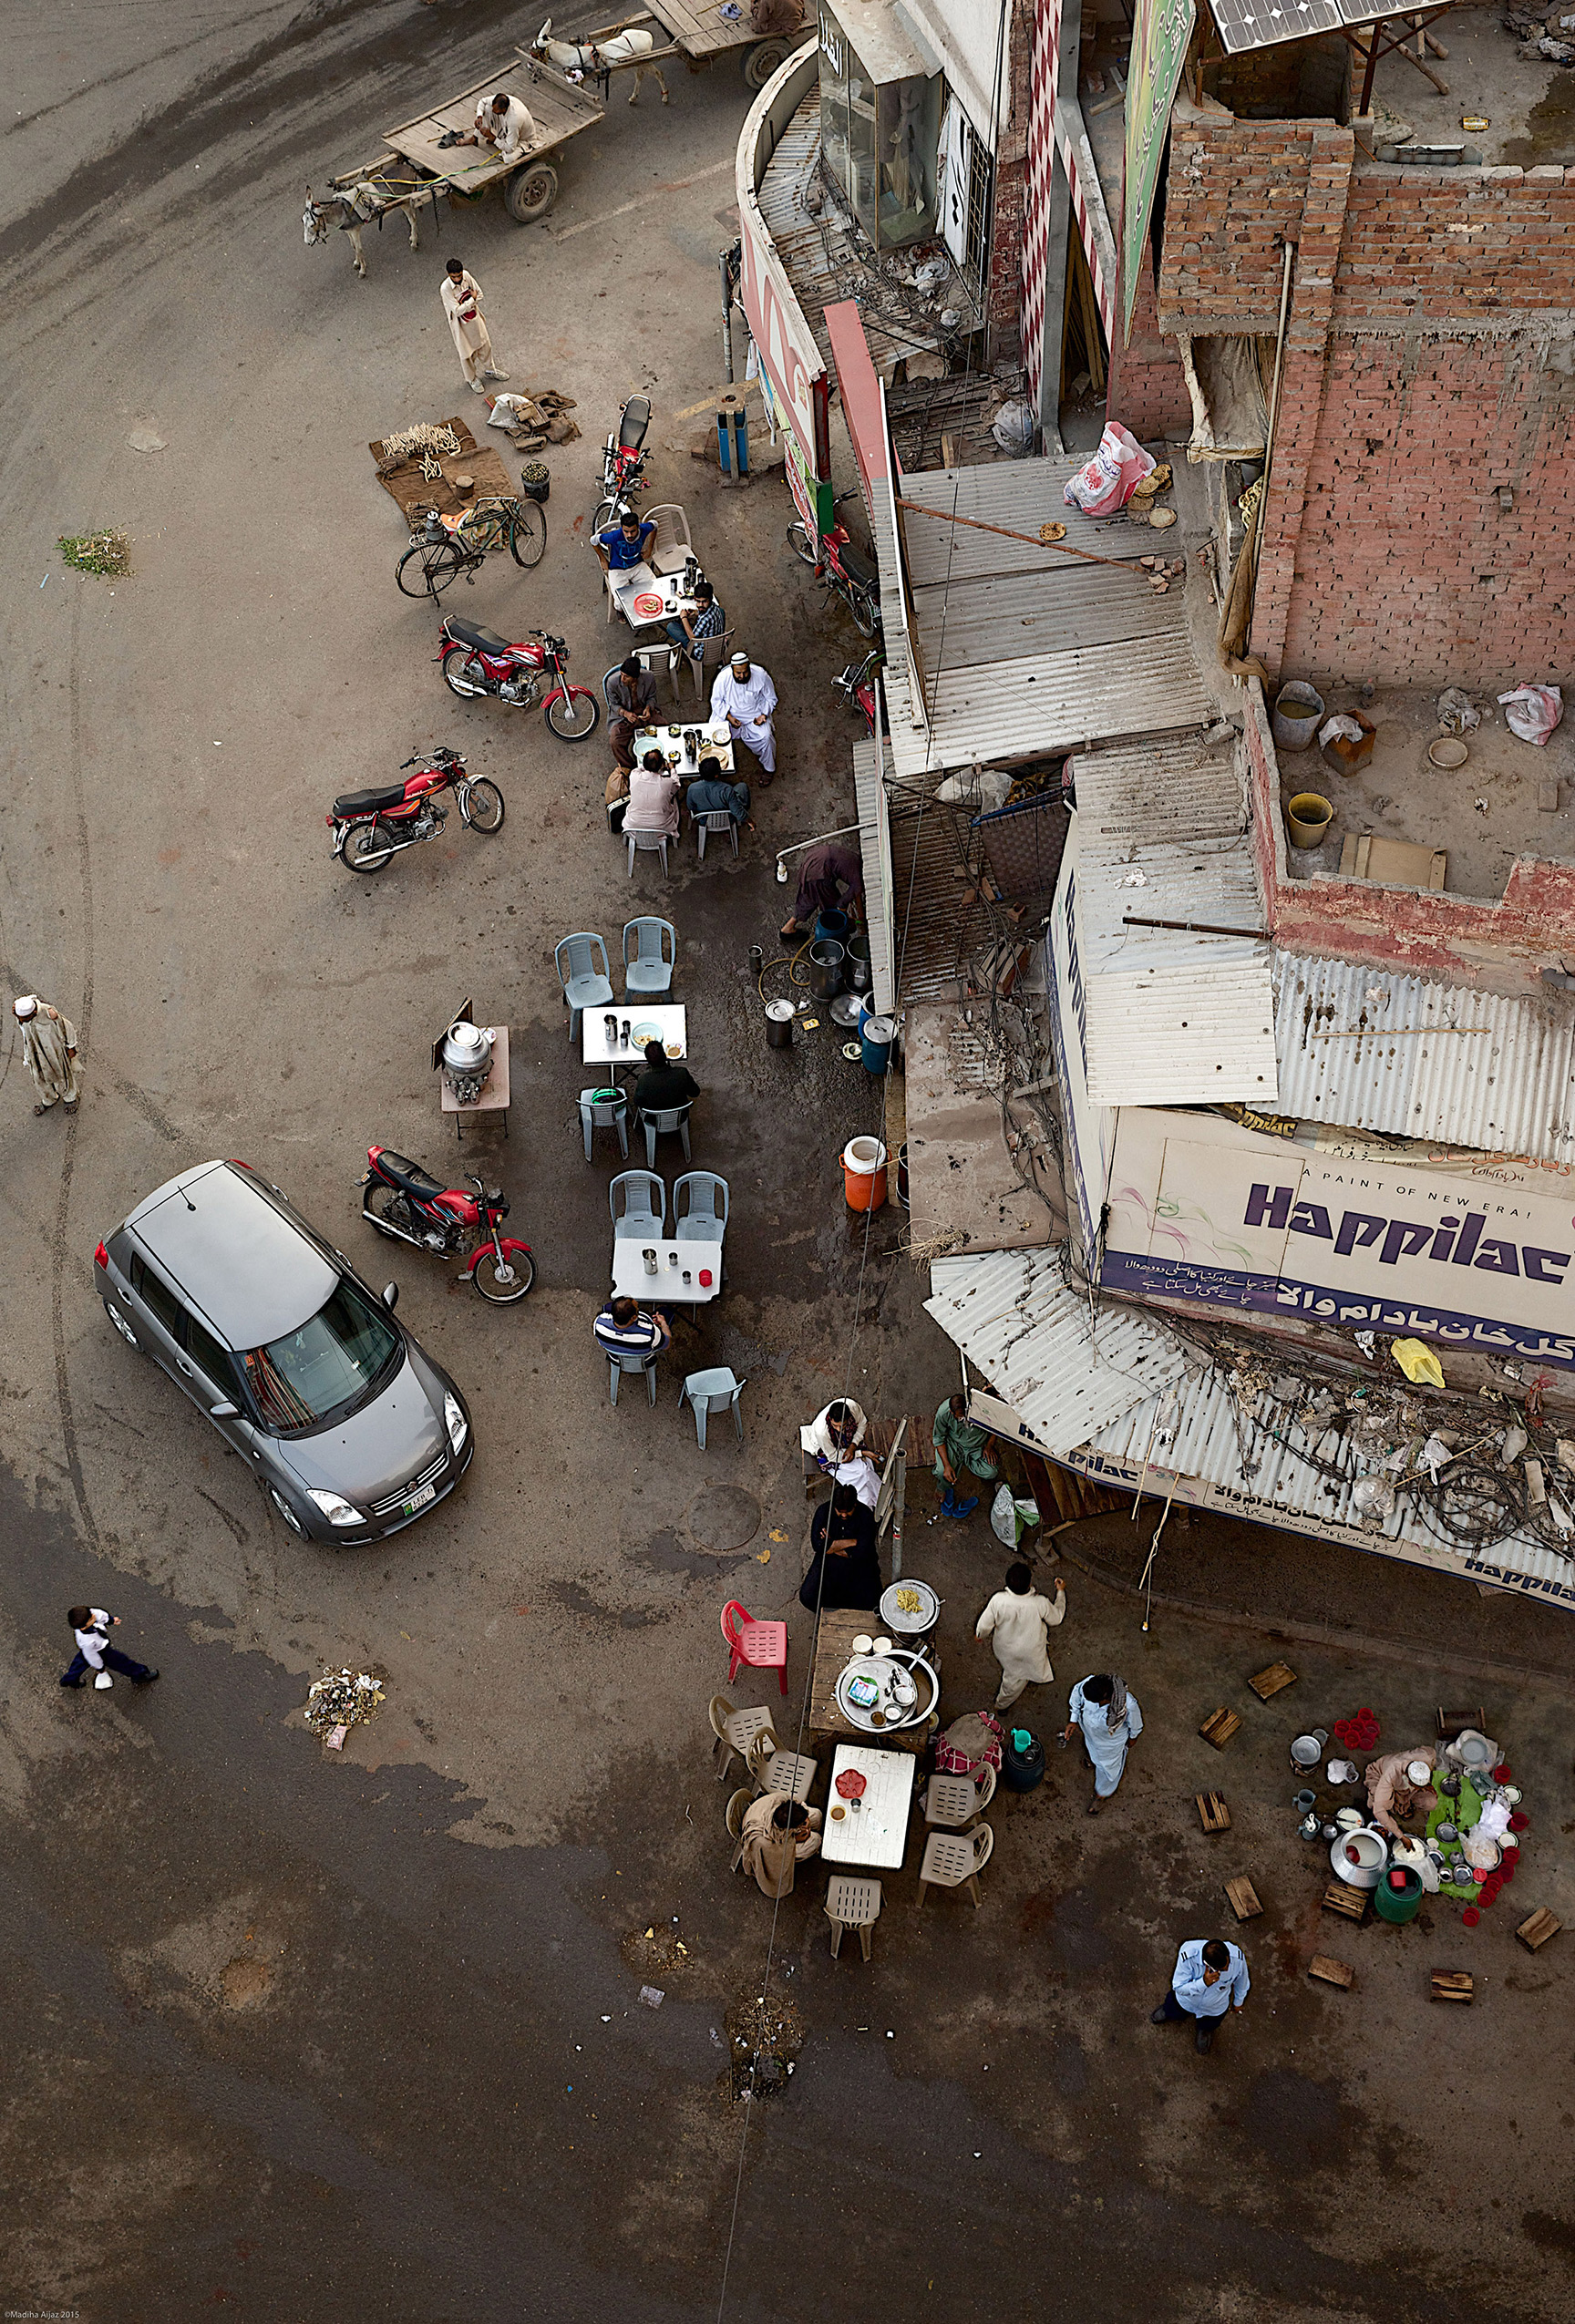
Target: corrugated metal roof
pixel 1167 786
pixel 1213 882
pixel 1015 1319
pixel 867 792
pixel 1182 1036
pixel 1191 1430
pixel 1054 702
pixel 1021 494
pixel 1443 1062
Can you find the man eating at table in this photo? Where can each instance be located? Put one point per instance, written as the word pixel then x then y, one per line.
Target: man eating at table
pixel 661 1086
pixel 711 794
pixel 689 630
pixel 631 704
pixel 623 546
pixel 653 797
pixel 745 696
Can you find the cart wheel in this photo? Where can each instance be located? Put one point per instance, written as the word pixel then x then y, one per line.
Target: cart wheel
pixel 762 62
pixel 530 192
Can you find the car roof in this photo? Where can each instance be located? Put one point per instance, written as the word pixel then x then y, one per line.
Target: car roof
pixel 249 1269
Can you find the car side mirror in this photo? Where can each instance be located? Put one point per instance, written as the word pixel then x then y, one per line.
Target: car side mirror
pixel 223 1412
pixel 390 1295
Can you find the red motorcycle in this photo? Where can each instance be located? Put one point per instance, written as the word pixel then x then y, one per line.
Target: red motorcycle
pixel 622 463
pixel 841 567
pixel 857 685
pixel 406 1203
pixel 371 828
pixel 475 662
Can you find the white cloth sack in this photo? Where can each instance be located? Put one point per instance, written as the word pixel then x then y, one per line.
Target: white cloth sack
pixel 1533 711
pixel 1108 481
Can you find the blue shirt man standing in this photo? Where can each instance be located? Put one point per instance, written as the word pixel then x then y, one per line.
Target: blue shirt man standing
pixel 1208 1979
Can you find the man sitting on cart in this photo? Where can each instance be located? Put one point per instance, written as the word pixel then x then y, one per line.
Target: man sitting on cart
pixel 503 121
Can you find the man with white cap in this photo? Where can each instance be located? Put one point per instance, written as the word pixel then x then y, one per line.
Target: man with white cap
pixel 49 1050
pixel 745 696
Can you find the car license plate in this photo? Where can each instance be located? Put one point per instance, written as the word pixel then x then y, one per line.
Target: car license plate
pixel 420 1500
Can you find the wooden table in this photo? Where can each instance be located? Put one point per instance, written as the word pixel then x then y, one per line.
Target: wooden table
pixel 667 1286
pixel 494 1098
pixel 833 1646
pixel 669 1017
pixel 876 1831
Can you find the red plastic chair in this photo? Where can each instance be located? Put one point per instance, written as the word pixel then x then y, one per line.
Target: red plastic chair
pixel 762 1645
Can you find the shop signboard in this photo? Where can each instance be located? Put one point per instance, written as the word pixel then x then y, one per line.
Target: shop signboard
pixel 792 372
pixel 1160 31
pixel 1224 1218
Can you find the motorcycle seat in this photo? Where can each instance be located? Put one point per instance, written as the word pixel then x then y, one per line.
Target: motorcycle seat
pixel 857 566
pixel 636 419
pixel 369 802
pixel 409 1175
pixel 471 633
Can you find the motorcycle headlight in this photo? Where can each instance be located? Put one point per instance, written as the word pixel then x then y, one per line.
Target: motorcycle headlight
pixel 335 1508
pixel 457 1425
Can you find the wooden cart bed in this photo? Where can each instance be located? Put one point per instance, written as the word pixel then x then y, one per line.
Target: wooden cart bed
pixel 559 107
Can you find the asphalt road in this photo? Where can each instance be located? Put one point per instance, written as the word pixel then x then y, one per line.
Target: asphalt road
pixel 292 2037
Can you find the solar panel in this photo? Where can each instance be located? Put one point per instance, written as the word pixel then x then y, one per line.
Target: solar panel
pixel 1263 23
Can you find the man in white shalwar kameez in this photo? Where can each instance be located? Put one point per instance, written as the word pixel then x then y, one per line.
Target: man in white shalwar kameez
pixel 50 1052
pixel 462 305
pixel 1017 1622
pixel 1109 1720
pixel 745 696
pixel 503 121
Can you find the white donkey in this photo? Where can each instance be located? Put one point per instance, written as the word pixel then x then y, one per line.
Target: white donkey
pixel 600 57
pixel 350 209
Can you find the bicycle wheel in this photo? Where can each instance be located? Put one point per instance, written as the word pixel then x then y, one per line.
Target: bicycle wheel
pixel 369 846
pixel 573 714
pixel 503 1289
pixel 799 542
pixel 427 567
pixel 481 805
pixel 527 533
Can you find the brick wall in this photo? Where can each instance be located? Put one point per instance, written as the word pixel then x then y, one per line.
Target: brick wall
pixel 1430 359
pixel 1532 925
pixel 1004 280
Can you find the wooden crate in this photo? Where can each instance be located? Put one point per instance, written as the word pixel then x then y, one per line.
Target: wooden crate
pixel 1219 1727
pixel 1212 1812
pixel 1270 1682
pixel 1351 1903
pixel 1243 1898
pixel 1330 1972
pixel 1536 1930
pixel 1452 1984
pixel 1454 1723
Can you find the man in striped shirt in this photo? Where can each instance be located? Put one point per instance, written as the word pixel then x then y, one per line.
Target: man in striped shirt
pixel 622 1330
pixel 690 629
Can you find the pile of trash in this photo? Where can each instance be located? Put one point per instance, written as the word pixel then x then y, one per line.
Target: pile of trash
pixel 536 420
pixel 1551 38
pixel 764 2039
pixel 339 1701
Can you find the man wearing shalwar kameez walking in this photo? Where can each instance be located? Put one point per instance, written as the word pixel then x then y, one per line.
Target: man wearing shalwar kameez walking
pixel 50 1052
pixel 462 305
pixel 1109 1719
pixel 1017 1622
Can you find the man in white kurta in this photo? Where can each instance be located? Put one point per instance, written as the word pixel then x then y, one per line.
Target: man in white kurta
pixel 50 1052
pixel 462 305
pixel 745 696
pixel 503 121
pixel 1017 1622
pixel 1109 1720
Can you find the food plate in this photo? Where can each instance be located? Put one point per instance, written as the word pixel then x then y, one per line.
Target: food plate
pixel 648 603
pixel 909 1607
pixel 720 734
pixel 641 1033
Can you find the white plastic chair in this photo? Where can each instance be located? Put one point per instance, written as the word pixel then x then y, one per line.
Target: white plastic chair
pixel 633 1360
pixel 705 1221
pixel 649 843
pixel 852 1901
pixel 735 1730
pixel 604 1109
pixel 671 548
pixel 648 969
pixel 955 1860
pixel 584 985
pixel 716 818
pixel 641 1190
pixel 713 1390
pixel 713 651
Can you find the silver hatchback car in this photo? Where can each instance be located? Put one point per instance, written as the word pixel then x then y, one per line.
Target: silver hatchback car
pixel 350 1427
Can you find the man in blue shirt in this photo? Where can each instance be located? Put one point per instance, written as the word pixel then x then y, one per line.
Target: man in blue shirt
pixel 624 545
pixel 621 1330
pixel 1208 1979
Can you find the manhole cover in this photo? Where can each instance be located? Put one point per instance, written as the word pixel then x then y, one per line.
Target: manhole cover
pixel 724 1517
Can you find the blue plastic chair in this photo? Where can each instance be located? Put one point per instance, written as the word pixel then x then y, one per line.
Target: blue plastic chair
pixel 709 1392
pixel 665 1121
pixel 584 985
pixel 649 968
pixel 642 1189
pixel 604 1109
pixel 706 1219
pixel 631 1360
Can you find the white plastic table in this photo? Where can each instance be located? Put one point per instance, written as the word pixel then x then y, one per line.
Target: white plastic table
pixel 687 769
pixel 667 1016
pixel 630 1280
pixel 876 1831
pixel 627 585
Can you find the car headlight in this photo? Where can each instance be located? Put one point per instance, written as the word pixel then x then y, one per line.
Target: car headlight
pixel 458 1426
pixel 335 1508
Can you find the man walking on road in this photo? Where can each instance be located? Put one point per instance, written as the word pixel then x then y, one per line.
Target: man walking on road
pixel 745 696
pixel 50 1052
pixel 1208 1979
pixel 462 305
pixel 94 1652
pixel 1017 1622
pixel 1109 1720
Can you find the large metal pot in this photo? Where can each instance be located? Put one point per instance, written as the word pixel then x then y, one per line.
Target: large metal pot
pixel 467 1059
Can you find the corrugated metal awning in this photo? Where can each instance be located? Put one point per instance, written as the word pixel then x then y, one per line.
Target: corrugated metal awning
pixel 1167 786
pixel 1064 1373
pixel 1183 1037
pixel 1367 1049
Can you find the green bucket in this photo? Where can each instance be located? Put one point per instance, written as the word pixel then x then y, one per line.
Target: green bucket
pixel 1402 1902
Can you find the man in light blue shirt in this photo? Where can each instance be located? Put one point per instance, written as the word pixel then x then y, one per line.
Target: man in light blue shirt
pixel 1208 1979
pixel 1109 1719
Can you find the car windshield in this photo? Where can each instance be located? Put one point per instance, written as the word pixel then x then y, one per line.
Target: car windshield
pixel 325 1366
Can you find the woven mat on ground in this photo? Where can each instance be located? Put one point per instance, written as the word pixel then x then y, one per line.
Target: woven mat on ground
pixel 414 495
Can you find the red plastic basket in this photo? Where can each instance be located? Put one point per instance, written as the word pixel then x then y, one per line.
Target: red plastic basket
pixel 1470 1916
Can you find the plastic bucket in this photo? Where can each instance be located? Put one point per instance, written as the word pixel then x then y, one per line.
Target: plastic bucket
pixel 1022 1763
pixel 1307 818
pixel 1297 707
pixel 1399 1896
pixel 778 1024
pixel 833 924
pixel 535 481
pixel 864 1173
pixel 826 969
pixel 876 1036
pixel 855 963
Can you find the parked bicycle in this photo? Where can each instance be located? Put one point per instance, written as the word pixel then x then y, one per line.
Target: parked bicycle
pixel 842 567
pixel 449 546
